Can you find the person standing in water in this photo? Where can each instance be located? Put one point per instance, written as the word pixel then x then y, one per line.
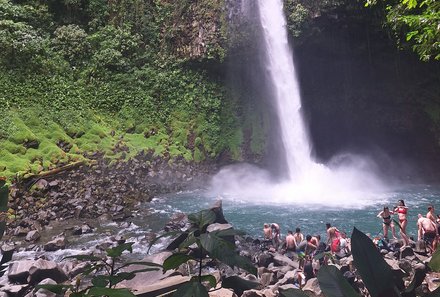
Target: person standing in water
pixel 402 210
pixel 385 215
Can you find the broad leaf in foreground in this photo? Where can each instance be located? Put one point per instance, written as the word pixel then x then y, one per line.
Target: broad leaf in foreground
pixel 375 272
pixel 191 289
pixel 333 284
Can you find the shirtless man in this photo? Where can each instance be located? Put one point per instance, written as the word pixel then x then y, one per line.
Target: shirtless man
pixel 298 236
pixel 267 232
pixel 276 236
pixel 427 230
pixel 431 215
pixel 290 241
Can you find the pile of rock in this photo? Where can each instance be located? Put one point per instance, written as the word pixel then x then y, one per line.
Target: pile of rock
pixel 103 188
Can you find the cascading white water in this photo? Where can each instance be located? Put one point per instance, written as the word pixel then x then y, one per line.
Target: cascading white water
pixel 348 181
pixel 286 91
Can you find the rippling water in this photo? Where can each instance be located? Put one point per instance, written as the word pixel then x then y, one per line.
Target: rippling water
pixel 246 216
pixel 250 217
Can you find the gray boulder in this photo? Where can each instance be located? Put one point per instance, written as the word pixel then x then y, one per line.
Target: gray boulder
pixel 58 243
pixel 18 272
pixel 33 235
pixel 44 292
pixel 42 269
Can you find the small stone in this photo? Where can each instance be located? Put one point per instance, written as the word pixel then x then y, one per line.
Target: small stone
pixel 33 235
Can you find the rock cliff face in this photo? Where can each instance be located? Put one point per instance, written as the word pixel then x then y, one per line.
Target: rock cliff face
pixel 361 94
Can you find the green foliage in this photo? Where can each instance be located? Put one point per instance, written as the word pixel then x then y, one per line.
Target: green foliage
pixel 213 244
pixel 415 23
pixel 71 42
pixel 375 272
pixel 104 284
pixel 333 283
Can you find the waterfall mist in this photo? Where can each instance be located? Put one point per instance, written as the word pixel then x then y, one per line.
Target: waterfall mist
pixel 347 181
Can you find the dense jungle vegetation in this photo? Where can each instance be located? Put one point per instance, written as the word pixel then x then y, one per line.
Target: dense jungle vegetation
pixel 81 78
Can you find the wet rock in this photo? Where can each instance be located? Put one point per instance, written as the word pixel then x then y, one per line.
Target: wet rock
pixel 177 222
pixel 33 235
pixel 289 278
pixel 5 248
pixel 58 243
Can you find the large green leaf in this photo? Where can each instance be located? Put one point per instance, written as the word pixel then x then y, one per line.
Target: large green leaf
pixel 220 249
pixel 202 218
pixel 417 280
pixel 293 293
pixel 175 260
pixel 228 232
pixel 191 289
pixel 434 264
pixel 375 272
pixel 333 283
pixel 98 292
pixel 118 250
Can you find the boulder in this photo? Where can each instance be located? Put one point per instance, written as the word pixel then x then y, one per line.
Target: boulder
pixel 252 293
pixel 42 269
pixel 58 243
pixel 264 259
pixel 281 260
pixel 218 227
pixel 15 290
pixel 44 292
pixel 222 293
pixel 268 279
pixel 289 278
pixel 406 251
pixel 312 285
pixel 33 235
pixel 18 272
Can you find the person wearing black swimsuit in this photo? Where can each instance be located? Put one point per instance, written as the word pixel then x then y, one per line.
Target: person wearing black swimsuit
pixel 385 215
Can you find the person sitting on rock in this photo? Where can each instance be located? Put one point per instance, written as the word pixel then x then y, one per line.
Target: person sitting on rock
pixel 344 248
pixel 427 230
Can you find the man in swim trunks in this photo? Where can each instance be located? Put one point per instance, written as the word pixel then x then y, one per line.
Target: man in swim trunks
pixel 428 231
pixel 276 234
pixel 290 241
pixel 298 236
pixel 267 232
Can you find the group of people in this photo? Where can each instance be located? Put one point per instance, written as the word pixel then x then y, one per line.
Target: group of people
pixel 427 226
pixel 306 246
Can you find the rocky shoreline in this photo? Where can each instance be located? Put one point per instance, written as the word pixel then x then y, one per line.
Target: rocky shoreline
pixel 276 271
pixel 101 189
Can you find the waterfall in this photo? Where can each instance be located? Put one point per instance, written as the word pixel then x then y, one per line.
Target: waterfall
pixel 346 181
pixel 285 87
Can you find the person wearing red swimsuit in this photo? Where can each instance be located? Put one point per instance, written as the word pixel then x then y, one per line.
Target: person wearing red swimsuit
pixel 402 210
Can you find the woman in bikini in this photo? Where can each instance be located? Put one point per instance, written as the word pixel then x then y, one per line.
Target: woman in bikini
pixel 402 211
pixel 385 215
